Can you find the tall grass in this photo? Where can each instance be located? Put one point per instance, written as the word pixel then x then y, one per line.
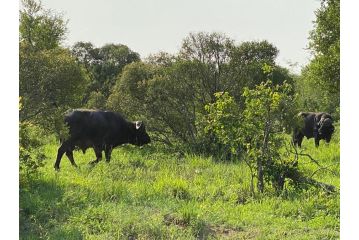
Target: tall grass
pixel 151 194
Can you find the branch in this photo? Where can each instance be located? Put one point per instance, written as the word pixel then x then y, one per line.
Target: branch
pixel 325 168
pixel 165 141
pixel 326 187
pixel 303 154
pixel 298 177
pixel 28 117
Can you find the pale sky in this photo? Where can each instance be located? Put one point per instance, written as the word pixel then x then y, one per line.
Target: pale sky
pixel 150 26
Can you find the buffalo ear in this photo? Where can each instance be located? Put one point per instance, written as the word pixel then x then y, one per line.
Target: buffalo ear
pixel 138 124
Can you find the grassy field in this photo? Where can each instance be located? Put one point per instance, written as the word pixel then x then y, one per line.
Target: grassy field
pixel 150 194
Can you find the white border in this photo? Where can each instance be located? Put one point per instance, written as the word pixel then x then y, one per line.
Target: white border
pixel 9 140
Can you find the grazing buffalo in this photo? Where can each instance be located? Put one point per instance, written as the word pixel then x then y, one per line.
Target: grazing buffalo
pixel 100 130
pixel 311 124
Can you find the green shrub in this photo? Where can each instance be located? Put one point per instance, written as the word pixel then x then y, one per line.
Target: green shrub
pixel 31 154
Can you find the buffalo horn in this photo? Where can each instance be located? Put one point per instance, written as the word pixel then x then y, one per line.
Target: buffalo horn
pixel 138 124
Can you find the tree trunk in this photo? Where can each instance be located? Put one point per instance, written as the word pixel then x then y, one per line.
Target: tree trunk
pixel 263 157
pixel 252 183
pixel 260 184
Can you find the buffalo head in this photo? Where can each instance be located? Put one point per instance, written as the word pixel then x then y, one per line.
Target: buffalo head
pixel 326 128
pixel 141 136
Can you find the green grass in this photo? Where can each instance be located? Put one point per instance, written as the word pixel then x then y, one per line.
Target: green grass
pixel 148 194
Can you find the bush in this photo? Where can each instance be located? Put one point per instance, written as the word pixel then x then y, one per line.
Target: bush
pixel 96 101
pixel 30 149
pixel 255 132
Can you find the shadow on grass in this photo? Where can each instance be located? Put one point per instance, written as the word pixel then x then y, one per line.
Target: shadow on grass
pixel 43 211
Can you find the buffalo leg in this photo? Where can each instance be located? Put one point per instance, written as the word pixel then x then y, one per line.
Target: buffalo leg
pixel 297 139
pixel 108 151
pixel 294 140
pixel 316 137
pixel 98 152
pixel 60 152
pixel 300 139
pixel 70 156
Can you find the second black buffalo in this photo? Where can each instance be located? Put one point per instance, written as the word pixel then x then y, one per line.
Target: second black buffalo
pixel 313 125
pixel 100 130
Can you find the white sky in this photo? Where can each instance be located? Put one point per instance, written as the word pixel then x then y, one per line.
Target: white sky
pixel 150 26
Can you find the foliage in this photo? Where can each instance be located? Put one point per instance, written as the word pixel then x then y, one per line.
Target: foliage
pixel 212 50
pixel 30 151
pixel 213 97
pixel 170 91
pixel 224 120
pixel 246 64
pixel 319 85
pixel 103 64
pixel 96 100
pixel 167 197
pixel 161 59
pixel 129 93
pixel 253 133
pixel 247 61
pixel 163 96
pixel 49 81
pixel 40 29
pixel 326 30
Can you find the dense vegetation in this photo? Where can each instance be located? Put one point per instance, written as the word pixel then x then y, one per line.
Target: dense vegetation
pixel 219 113
pixel 152 194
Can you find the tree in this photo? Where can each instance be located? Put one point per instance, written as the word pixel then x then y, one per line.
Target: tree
pixel 246 64
pixel 50 80
pixel 213 51
pixel 323 72
pixel 173 99
pixel 30 148
pixel 103 64
pixel 129 93
pixel 40 29
pixel 254 133
pixel 326 32
pixel 96 101
pixel 161 59
pixel 163 95
pixel 266 108
pixel 172 91
pixel 50 83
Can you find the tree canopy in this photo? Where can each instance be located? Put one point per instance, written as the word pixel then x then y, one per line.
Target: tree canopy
pixel 319 84
pixel 50 79
pixel 103 65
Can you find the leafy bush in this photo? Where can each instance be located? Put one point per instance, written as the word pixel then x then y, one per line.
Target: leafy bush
pixel 254 133
pixel 30 149
pixel 96 101
pixel 170 92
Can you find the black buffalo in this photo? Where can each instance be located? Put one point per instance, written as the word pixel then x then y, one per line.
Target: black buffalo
pixel 311 124
pixel 100 130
